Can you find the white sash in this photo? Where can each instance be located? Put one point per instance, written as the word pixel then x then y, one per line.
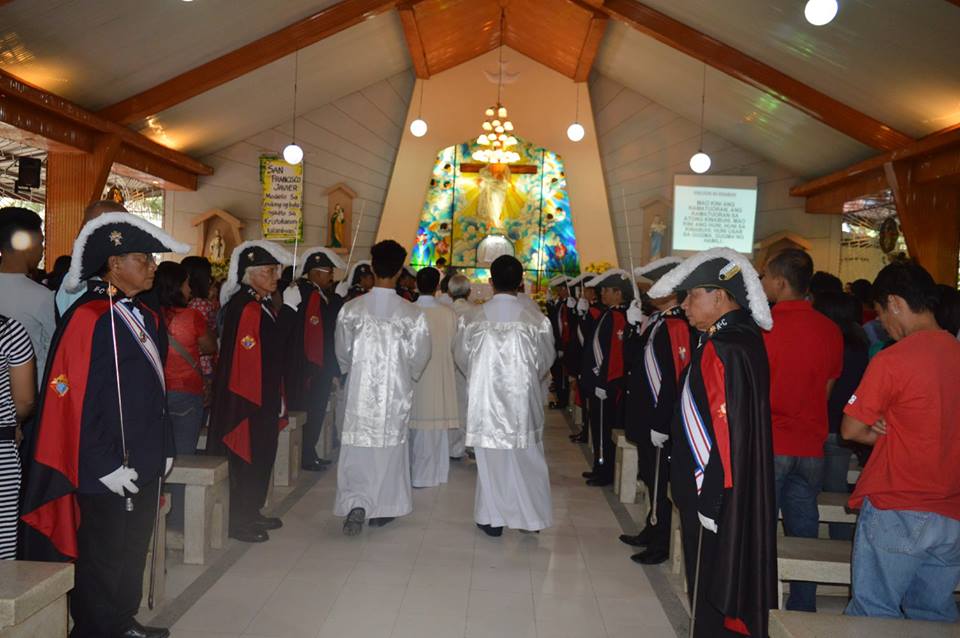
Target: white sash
pixel 696 433
pixel 142 338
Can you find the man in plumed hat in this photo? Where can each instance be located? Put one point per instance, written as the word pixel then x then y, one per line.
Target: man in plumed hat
pixel 560 319
pixel 588 313
pixel 407 284
pixel 603 375
pixel 102 441
pixel 721 471
pixel 358 282
pixel 313 362
pixel 657 354
pixel 248 405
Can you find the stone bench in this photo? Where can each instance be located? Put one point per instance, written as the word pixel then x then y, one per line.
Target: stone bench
pixel 812 559
pixel 33 598
pixel 625 468
pixel 160 575
pixel 286 466
pixel 798 624
pixel 206 505
pixel 833 508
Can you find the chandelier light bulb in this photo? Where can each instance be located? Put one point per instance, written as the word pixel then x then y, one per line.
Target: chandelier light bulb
pixel 487 126
pixel 418 128
pixel 700 162
pixel 292 154
pixel 489 112
pixel 508 125
pixel 820 12
pixel 575 132
pixel 502 111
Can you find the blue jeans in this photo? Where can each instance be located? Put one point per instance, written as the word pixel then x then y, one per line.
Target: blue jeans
pixel 836 463
pixel 905 565
pixel 798 482
pixel 186 416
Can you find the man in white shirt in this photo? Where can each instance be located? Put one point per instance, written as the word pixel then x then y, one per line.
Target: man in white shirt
pixel 21 298
pixel 506 349
pixel 383 345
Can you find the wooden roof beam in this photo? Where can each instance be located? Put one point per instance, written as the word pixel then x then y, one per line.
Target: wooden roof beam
pixel 591 45
pixel 741 66
pixel 249 57
pixel 411 31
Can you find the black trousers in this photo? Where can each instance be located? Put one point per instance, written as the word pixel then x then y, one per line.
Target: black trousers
pixel 659 533
pixel 112 546
pixel 249 482
pixel 600 435
pixel 317 400
pixel 561 384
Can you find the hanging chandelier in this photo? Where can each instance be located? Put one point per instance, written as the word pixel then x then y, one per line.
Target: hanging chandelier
pixel 497 138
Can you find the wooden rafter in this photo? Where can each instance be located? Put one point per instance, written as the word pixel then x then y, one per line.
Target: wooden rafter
pixel 745 68
pixel 57 124
pixel 414 42
pixel 591 45
pixel 249 57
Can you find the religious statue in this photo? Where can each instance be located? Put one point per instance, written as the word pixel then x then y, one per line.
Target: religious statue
pixel 657 230
pixel 217 247
pixel 494 184
pixel 337 223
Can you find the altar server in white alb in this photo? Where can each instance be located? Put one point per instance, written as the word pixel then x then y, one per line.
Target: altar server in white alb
pixel 506 350
pixel 435 410
pixel 459 289
pixel 383 345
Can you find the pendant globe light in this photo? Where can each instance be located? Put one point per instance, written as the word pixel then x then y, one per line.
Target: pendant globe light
pixel 418 127
pixel 700 162
pixel 820 12
pixel 497 138
pixel 292 153
pixel 575 131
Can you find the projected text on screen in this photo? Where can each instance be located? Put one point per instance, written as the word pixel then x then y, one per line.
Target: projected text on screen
pixel 716 211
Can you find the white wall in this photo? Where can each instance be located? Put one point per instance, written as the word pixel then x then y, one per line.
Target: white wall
pixel 353 140
pixel 643 145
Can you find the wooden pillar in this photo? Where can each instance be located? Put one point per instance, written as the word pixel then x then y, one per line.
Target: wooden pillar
pixel 74 180
pixel 930 218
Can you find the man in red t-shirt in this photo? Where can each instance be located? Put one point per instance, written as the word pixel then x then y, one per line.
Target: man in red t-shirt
pixel 805 350
pixel 906 553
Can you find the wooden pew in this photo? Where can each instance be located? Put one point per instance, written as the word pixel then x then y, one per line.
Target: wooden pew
pixel 206 505
pixel 798 624
pixel 33 598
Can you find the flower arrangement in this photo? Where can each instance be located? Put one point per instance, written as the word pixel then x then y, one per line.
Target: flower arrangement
pixel 219 270
pixel 598 267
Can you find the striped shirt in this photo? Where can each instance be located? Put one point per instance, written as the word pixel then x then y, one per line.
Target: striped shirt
pixel 15 350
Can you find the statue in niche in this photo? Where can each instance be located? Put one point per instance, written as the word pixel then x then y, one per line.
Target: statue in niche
pixel 337 223
pixel 217 248
pixel 494 185
pixel 657 230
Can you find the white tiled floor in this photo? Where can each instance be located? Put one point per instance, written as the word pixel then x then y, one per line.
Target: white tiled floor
pixel 434 575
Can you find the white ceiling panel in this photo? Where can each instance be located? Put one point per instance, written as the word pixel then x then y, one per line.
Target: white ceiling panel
pixel 735 111
pixel 98 52
pixel 895 60
pixel 262 99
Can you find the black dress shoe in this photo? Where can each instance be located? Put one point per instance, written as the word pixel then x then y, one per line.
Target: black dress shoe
pixel 651 556
pixel 639 540
pixel 316 466
pixel 587 475
pixel 267 522
pixel 456 458
pixel 553 405
pixel 599 481
pixel 579 438
pixel 380 521
pixel 136 630
pixel 250 534
pixel 490 530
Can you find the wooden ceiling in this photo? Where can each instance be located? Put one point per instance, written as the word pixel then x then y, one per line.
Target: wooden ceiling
pixel 561 34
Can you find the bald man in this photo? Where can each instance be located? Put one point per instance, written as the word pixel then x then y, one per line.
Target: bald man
pixel 66 298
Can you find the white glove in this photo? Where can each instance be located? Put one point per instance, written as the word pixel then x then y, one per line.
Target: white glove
pixel 559 353
pixel 708 523
pixel 634 313
pixel 600 393
pixel 121 479
pixel 291 296
pixel 658 438
pixel 583 305
pixel 168 467
pixel 571 302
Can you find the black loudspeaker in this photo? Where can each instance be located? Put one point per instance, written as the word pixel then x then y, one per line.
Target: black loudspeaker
pixel 28 169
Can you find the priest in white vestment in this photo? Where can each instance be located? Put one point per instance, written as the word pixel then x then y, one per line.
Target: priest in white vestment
pixel 459 289
pixel 506 349
pixel 435 411
pixel 383 345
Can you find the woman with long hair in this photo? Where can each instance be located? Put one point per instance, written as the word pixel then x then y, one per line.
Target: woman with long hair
pixel 205 300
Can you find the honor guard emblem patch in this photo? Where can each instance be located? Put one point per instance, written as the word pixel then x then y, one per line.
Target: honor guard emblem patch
pixel 248 342
pixel 683 353
pixel 116 237
pixel 60 385
pixel 314 320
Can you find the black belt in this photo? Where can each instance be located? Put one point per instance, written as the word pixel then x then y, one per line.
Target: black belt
pixel 8 433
